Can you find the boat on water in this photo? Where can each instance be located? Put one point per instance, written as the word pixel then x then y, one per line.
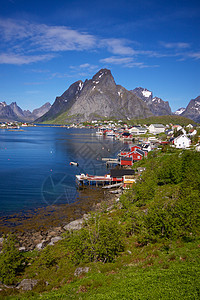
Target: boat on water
pixel 72 163
pixel 99 133
pixel 110 133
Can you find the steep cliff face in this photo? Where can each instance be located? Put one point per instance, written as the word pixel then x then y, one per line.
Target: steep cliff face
pixel 157 106
pixel 97 98
pixel 192 111
pixel 64 102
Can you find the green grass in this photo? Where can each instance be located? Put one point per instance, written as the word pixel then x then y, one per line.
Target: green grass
pixel 164 120
pixel 168 270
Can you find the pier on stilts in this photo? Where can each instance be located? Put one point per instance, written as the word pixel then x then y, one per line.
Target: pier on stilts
pixel 112 180
pixel 107 180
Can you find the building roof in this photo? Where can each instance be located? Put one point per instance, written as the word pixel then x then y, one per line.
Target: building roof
pixel 121 172
pixel 139 151
pixel 125 158
pixel 183 135
pixel 158 125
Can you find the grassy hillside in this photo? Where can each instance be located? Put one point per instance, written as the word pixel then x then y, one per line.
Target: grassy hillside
pixel 164 120
pixel 65 119
pixel 145 246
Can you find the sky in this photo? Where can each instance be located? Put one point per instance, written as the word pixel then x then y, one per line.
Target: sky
pixel 45 46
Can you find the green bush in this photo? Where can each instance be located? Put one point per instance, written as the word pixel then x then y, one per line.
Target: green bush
pixel 11 261
pixel 100 240
pixel 167 194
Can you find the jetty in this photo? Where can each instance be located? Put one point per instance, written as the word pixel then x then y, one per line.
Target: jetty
pixel 86 179
pixel 114 179
pixel 111 161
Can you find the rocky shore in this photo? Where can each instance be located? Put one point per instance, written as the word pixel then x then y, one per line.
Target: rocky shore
pixel 46 226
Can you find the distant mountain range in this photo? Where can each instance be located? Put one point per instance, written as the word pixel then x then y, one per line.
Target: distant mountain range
pixel 13 112
pixel 97 98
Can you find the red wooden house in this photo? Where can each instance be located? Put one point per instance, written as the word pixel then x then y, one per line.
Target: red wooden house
pixel 136 154
pixel 126 161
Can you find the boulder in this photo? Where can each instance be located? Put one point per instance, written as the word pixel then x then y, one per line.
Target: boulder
pixel 22 249
pixel 80 271
pixel 41 245
pixel 74 225
pixel 27 284
pixel 55 239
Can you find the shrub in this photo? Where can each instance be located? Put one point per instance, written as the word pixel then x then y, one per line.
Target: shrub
pixel 11 261
pixel 100 240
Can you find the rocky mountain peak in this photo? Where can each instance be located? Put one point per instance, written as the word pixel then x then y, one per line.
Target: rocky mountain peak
pixel 179 111
pixel 143 94
pixel 98 97
pixel 103 77
pixel 192 111
pixel 3 104
pixel 156 105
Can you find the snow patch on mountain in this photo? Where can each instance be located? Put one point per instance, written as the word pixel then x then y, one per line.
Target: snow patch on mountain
pixel 146 93
pixel 179 111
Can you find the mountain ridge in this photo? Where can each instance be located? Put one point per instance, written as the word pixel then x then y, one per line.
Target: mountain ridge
pixel 13 112
pixel 97 97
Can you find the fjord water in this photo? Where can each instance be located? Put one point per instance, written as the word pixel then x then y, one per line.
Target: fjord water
pixel 35 168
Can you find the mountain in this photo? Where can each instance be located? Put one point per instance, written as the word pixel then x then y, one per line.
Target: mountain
pixel 2 104
pixel 96 98
pixel 13 112
pixel 179 111
pixel 157 106
pixel 38 112
pixel 192 111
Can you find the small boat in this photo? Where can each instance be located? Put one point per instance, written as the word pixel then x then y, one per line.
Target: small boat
pixel 72 163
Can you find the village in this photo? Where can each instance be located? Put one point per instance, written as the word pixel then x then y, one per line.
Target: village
pixel 13 125
pixel 141 141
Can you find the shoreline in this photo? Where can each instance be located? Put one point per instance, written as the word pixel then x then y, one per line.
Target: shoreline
pixel 40 226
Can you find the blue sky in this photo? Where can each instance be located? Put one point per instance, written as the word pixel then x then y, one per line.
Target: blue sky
pixel 45 46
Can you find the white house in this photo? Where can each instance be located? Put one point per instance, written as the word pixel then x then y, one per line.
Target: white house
pixel 177 127
pixel 182 141
pixel 156 128
pixel 138 130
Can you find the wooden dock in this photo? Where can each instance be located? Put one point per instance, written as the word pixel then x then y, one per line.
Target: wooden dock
pixel 111 161
pixel 86 179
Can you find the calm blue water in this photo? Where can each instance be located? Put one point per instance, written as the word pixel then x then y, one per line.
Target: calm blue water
pixel 35 169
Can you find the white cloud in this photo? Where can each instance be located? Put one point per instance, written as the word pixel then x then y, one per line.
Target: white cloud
pixel 195 55
pixel 117 46
pixel 23 42
pixel 126 62
pixel 117 60
pixel 60 38
pixel 23 39
pixel 178 45
pixel 86 66
pixel 85 69
pixel 16 59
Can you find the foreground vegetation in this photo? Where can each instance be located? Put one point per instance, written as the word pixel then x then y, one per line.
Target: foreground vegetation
pixel 146 246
